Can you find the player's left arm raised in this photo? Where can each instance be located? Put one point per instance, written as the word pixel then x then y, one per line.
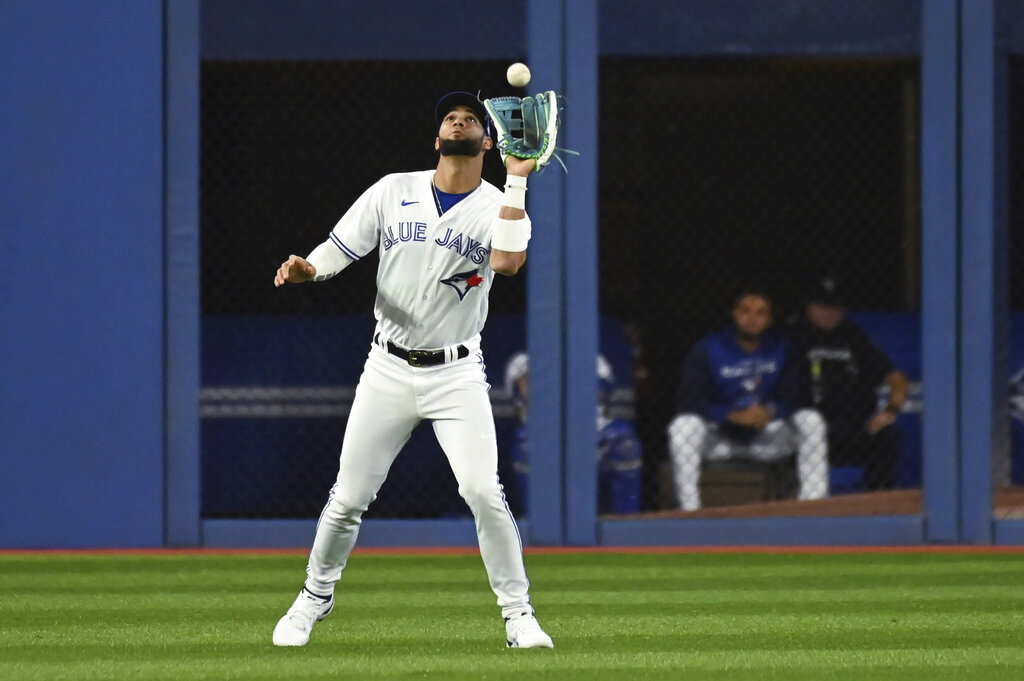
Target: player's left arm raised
pixel 512 229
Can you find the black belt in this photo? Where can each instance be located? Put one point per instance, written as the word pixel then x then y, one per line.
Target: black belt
pixel 424 358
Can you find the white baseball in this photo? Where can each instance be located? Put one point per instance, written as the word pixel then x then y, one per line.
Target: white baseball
pixel 518 74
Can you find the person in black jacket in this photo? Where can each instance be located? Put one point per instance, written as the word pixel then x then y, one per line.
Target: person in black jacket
pixel 846 370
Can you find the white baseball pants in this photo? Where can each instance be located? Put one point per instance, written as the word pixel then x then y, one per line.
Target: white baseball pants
pixel 391 399
pixel 692 439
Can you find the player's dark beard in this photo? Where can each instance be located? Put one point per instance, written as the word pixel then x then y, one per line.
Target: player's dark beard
pixel 747 337
pixel 462 147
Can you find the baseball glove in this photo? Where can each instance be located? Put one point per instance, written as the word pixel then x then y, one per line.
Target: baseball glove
pixel 528 128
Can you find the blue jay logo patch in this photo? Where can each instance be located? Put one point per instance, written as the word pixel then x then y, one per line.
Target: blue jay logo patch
pixel 463 282
pixel 753 383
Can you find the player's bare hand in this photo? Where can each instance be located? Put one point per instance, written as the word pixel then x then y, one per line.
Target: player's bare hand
pixel 760 416
pixel 755 416
pixel 294 270
pixel 880 420
pixel 520 166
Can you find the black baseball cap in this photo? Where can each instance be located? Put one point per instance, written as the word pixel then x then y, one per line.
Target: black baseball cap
pixel 827 291
pixel 454 99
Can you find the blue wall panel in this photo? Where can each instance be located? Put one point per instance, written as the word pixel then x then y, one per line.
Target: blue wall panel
pixel 182 269
pixel 982 392
pixel 939 276
pixel 579 252
pixel 757 27
pixel 545 296
pixel 456 29
pixel 373 533
pixel 81 347
pixel 384 29
pixel 858 531
pixel 83 423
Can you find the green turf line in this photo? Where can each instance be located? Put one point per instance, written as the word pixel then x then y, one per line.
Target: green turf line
pixel 744 616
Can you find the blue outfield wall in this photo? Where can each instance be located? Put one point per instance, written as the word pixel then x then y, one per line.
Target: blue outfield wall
pixel 99 207
pixel 81 347
pixel 237 442
pixel 703 27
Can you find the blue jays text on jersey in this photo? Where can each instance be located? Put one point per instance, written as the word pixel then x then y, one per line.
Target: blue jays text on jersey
pixel 407 231
pixel 463 244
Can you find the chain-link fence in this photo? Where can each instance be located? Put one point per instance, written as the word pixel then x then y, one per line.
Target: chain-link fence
pixel 1009 475
pixel 717 175
pixel 770 173
pixel 287 146
pixel 781 176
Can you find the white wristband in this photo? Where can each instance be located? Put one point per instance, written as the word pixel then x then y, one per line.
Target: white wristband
pixel 515 192
pixel 511 235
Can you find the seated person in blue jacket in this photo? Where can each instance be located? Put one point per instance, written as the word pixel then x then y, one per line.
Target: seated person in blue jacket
pixel 618 452
pixel 742 395
pixel 846 369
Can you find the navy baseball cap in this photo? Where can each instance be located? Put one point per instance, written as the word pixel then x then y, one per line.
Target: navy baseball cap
pixel 454 99
pixel 827 291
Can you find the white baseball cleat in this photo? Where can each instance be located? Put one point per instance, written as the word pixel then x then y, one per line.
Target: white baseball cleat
pixel 295 627
pixel 523 631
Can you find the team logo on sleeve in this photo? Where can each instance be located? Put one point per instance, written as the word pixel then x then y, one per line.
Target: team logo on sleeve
pixel 463 282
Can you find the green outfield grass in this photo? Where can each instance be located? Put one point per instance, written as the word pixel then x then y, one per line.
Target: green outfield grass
pixel 612 616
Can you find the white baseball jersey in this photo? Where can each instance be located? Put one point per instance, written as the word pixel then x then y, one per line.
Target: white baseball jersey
pixel 432 287
pixel 434 275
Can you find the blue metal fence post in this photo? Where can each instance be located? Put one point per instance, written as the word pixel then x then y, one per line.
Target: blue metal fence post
pixel 181 274
pixel 580 254
pixel 545 300
pixel 982 412
pixel 939 275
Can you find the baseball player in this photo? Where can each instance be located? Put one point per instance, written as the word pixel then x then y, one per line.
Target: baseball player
pixel 1016 407
pixel 441 235
pixel 619 452
pixel 741 395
